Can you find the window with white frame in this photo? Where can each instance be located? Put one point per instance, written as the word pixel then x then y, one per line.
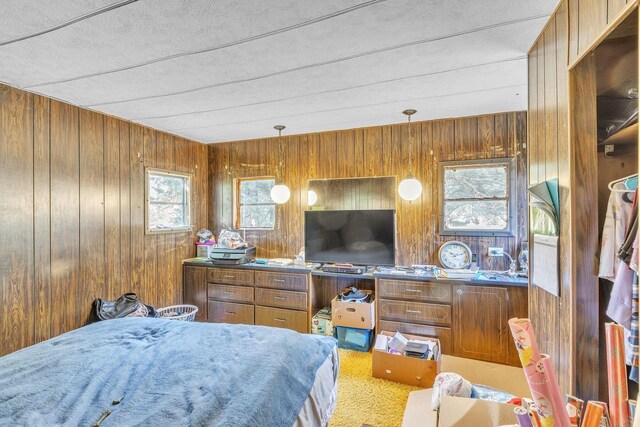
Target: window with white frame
pixel 168 201
pixel 254 208
pixel 477 197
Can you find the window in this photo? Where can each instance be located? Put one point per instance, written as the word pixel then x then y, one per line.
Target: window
pixel 168 201
pixel 253 205
pixel 477 197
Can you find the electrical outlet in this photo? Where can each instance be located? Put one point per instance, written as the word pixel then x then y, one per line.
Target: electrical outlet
pixel 496 251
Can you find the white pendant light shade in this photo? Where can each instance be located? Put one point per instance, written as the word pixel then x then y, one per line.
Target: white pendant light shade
pixel 410 188
pixel 312 198
pixel 280 194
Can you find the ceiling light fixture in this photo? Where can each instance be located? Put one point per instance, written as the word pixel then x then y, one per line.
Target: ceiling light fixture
pixel 280 193
pixel 410 188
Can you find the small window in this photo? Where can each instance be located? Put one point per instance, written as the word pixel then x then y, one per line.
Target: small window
pixel 253 205
pixel 476 198
pixel 168 201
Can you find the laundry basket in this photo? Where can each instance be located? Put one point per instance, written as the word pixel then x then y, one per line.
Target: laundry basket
pixel 184 312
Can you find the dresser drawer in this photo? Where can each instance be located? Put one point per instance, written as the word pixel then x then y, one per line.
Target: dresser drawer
pixel 418 291
pixel 278 298
pixel 231 276
pixel 290 282
pixel 228 312
pixel 415 312
pixel 282 318
pixel 230 292
pixel 443 334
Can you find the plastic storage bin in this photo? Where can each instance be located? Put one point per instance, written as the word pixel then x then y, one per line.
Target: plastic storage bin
pixel 354 338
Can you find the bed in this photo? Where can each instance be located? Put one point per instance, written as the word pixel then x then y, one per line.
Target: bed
pixel 171 373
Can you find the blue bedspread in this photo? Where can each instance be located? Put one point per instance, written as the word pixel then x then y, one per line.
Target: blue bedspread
pixel 169 373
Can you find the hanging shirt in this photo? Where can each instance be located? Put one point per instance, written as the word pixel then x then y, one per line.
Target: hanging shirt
pixel 614 232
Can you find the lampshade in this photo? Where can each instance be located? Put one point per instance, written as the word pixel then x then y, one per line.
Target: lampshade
pixel 280 193
pixel 410 188
pixel 312 198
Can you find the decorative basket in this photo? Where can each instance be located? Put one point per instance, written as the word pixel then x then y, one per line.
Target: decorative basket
pixel 184 312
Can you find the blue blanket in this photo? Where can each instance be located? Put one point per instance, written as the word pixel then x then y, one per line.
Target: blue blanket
pixel 168 373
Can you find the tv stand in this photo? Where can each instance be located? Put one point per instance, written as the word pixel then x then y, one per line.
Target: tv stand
pixel 344 268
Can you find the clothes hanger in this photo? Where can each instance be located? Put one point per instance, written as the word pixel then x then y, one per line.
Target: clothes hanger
pixel 629 178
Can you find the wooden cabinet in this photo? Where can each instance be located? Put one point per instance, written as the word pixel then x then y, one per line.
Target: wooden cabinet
pixel 195 289
pixel 469 320
pixel 480 322
pixel 243 295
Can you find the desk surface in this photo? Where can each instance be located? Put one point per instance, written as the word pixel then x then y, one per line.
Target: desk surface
pixel 483 279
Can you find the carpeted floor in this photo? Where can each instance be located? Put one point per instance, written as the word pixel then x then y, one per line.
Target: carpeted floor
pixel 363 399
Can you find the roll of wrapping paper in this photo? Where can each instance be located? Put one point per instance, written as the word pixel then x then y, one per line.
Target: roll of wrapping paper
pixel 534 416
pixel 617 374
pixel 592 415
pixel 574 409
pixel 522 416
pixel 540 375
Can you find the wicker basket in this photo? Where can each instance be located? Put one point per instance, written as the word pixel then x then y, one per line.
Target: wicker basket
pixel 184 312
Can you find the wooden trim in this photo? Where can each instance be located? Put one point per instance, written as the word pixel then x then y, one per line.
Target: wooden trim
pixel 624 13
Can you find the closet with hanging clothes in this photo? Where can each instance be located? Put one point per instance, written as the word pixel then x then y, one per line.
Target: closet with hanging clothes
pixel 615 69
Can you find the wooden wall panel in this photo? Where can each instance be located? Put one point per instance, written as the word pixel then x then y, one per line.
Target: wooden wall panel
pixel 72 209
pixel 385 152
pixel 566 326
pixel 16 209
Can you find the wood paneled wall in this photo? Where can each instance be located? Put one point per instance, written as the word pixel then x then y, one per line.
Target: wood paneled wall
pixel 370 152
pixel 72 215
pixel 566 326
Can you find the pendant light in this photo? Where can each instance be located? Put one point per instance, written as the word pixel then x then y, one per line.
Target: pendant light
pixel 280 193
pixel 410 188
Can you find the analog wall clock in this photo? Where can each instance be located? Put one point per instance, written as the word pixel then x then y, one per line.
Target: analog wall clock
pixel 455 254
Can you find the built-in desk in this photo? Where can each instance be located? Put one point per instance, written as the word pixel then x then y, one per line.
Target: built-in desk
pixel 469 317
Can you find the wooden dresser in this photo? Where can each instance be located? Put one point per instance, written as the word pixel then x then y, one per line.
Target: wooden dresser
pixel 240 295
pixel 469 318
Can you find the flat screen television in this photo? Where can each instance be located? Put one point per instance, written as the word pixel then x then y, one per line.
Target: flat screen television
pixel 359 237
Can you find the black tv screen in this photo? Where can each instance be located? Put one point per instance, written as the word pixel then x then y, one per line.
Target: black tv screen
pixel 359 237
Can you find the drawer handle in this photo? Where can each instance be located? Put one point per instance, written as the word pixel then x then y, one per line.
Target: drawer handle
pixel 229 276
pixel 229 292
pixel 231 313
pixel 279 319
pixel 279 280
pixel 414 312
pixel 459 292
pixel 279 298
pixel 414 290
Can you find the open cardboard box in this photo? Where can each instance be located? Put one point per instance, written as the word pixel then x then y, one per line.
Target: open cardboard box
pixel 361 315
pixel 462 412
pixel 405 369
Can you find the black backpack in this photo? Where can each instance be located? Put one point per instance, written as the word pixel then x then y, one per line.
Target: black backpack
pixel 127 305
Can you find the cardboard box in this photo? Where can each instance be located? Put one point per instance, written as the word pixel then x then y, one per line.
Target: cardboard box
pixel 455 412
pixel 321 323
pixel 405 369
pixel 459 411
pixel 361 315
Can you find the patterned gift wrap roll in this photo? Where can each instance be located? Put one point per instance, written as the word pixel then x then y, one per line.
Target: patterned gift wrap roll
pixel 593 415
pixel 540 376
pixel 522 417
pixel 617 373
pixel 574 409
pixel 534 416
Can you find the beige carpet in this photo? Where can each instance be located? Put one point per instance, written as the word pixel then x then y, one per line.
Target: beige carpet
pixel 363 399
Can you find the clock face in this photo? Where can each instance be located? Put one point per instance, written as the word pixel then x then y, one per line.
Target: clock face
pixel 455 255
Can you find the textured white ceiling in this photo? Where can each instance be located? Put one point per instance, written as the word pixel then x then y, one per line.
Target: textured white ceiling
pixel 231 69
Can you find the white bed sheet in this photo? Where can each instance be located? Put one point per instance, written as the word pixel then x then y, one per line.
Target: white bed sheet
pixel 319 406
